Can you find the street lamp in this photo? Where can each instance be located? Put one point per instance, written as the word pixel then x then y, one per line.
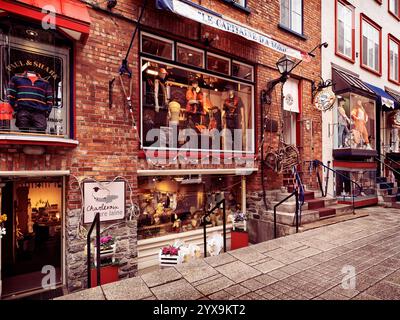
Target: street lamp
pixel 285 65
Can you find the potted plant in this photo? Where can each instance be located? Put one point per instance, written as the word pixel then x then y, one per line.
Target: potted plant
pixel 170 256
pixel 108 264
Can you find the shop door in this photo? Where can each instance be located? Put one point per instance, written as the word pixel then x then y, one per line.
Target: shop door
pixel 32 246
pixel 290 127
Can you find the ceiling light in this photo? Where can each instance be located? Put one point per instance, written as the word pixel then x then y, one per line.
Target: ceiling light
pixel 32 33
pixel 152 72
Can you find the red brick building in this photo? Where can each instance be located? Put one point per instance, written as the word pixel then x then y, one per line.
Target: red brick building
pixel 92 139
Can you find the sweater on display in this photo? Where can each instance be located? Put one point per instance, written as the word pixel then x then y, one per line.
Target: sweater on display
pixel 23 93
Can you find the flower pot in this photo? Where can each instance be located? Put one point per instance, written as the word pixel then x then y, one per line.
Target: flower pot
pixel 108 274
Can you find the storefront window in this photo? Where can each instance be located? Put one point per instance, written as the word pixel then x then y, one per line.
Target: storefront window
pixel 177 204
pixel 345 189
pixel 242 71
pixel 191 110
pixel 190 56
pixel 355 122
pixel 218 64
pixel 157 46
pixel 34 81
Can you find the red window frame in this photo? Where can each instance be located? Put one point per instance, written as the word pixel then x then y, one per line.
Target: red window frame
pixel 396 16
pixel 371 22
pixel 397 41
pixel 353 36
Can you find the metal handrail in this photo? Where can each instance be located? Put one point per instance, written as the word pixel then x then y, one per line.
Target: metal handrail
pixel 386 165
pixel 316 163
pixel 95 223
pixel 295 193
pixel 301 191
pixel 217 206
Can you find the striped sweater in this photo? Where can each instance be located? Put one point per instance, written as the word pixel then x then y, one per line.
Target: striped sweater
pixel 22 93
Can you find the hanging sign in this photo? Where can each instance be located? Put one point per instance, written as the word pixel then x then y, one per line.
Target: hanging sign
pixel 325 99
pixel 108 198
pixel 215 20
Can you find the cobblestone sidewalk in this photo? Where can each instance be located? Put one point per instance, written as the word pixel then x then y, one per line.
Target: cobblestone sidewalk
pixel 316 264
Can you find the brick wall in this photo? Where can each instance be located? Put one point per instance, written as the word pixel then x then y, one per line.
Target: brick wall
pixel 108 146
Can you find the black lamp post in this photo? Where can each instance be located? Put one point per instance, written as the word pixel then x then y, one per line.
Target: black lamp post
pixel 285 66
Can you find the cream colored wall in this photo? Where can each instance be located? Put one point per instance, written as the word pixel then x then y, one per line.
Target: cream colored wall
pixel 51 194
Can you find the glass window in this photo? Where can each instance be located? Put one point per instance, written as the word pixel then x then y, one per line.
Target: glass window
pixel 218 64
pixel 345 30
pixel 177 204
pixel 355 122
pixel 393 60
pixel 157 46
pixel 34 76
pixel 371 42
pixel 177 101
pixel 292 15
pixel 242 71
pixel 190 56
pixel 366 179
pixel 394 7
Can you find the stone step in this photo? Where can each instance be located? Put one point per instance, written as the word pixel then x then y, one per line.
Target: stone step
pixel 316 204
pixel 326 213
pixel 385 185
pixel 381 179
pixel 342 209
pixel 390 198
pixel 389 191
pixel 309 195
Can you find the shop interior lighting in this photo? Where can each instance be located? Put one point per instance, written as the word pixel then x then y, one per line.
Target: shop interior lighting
pixel 32 33
pixel 152 72
pixel 191 180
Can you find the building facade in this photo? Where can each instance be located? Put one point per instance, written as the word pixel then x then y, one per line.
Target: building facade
pixel 363 63
pixel 173 133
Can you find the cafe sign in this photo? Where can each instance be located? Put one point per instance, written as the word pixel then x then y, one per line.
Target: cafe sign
pixel 107 198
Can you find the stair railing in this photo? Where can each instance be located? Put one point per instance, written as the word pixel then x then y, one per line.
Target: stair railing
pixel 217 206
pixel 315 164
pixel 95 223
pixel 301 191
pixel 388 166
pixel 295 194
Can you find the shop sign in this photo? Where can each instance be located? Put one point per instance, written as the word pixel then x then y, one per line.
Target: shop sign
pixel 325 99
pixel 217 21
pixel 108 198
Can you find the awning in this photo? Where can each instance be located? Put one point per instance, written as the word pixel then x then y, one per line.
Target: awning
pixel 395 95
pixel 350 82
pixel 72 16
pixel 210 18
pixel 387 102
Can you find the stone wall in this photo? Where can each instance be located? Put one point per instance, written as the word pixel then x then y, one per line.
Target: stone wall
pixel 76 257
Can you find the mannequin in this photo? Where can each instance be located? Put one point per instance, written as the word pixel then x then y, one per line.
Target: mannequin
pixel 343 123
pixel 32 99
pixel 160 82
pixel 174 109
pixel 360 118
pixel 194 98
pixel 234 113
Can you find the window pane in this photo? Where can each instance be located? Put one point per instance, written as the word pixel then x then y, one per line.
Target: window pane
pixel 297 23
pixel 157 47
pixel 218 64
pixel 285 13
pixel 394 60
pixel 242 71
pixel 371 44
pixel 190 56
pixel 177 204
pixel 175 99
pixel 345 41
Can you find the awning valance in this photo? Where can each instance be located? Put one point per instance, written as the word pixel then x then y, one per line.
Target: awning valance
pixel 395 95
pixel 71 16
pixel 210 18
pixel 350 82
pixel 387 101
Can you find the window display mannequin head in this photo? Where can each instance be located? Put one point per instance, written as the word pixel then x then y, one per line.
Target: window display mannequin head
pixel 360 118
pixel 162 73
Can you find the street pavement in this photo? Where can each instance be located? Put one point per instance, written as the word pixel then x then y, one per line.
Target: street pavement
pixel 357 259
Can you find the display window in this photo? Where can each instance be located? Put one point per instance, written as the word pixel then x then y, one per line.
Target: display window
pixel 35 81
pixel 178 204
pixel 345 189
pixel 157 46
pixel 242 71
pixel 191 110
pixel 190 56
pixel 355 122
pixel 218 64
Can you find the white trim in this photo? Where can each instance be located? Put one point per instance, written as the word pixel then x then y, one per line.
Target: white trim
pixel 37 139
pixel 180 172
pixel 38 173
pixel 171 42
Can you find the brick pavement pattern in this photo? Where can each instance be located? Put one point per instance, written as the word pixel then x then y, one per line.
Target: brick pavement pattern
pixel 315 264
